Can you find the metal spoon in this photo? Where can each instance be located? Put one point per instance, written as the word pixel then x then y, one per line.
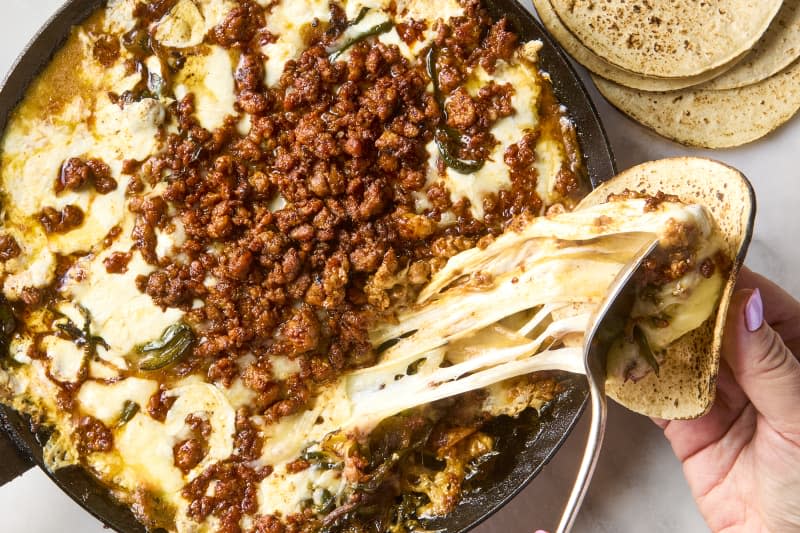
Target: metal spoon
pixel 606 325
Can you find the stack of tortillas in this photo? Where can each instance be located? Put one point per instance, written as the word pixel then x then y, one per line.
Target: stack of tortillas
pixel 712 73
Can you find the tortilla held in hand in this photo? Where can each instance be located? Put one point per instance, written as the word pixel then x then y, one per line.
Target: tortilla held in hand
pixel 686 383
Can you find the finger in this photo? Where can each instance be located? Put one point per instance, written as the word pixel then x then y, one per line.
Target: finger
pixel 781 310
pixel 660 422
pixel 761 363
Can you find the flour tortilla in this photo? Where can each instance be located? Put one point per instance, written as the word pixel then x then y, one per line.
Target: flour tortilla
pixel 667 39
pixel 776 50
pixel 687 383
pixel 712 119
pixel 603 68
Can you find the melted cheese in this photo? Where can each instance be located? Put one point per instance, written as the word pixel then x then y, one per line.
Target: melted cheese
pixel 286 20
pixel 36 146
pixel 284 493
pixel 114 303
pixel 239 395
pixel 119 16
pixel 66 359
pixel 210 79
pixel 284 440
pixel 188 22
pixel 688 302
pixel 207 400
pixel 19 349
pixel 154 469
pixel 430 11
pixel 494 175
pixel 32 270
pixel 550 158
pixel 182 27
pixel 105 401
pixel 103 371
pixel 167 241
pixel 283 367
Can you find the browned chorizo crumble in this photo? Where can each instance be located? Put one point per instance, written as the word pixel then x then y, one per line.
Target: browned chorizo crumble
pixel 234 495
pixel 94 436
pixel 64 221
pixel 9 248
pixel 106 50
pixel 75 173
pixel 117 262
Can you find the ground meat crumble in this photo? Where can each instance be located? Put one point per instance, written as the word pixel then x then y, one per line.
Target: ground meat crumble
pixel 63 221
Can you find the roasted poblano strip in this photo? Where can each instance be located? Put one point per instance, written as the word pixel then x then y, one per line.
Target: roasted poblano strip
pixel 448 141
pixel 82 337
pixel 448 150
pixel 321 458
pixel 359 17
pixel 175 343
pixel 379 29
pixel 129 410
pixel 644 349
pixel 323 501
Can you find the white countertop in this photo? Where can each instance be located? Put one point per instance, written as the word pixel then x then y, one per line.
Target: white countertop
pixel 638 486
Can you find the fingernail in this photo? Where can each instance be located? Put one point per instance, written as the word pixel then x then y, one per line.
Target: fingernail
pixel 754 311
pixel 540 531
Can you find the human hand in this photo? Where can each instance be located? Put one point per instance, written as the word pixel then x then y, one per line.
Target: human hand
pixel 742 460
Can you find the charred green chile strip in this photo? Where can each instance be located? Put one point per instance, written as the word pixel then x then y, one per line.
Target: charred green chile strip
pixel 380 29
pixel 448 140
pixel 321 459
pixel 129 410
pixel 323 502
pixel 406 513
pixel 644 348
pixel 359 17
pixel 448 148
pixel 175 343
pixel 379 475
pixel 82 337
pixel 433 74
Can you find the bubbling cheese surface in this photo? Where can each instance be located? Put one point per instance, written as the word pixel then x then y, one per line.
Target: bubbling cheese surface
pixel 93 320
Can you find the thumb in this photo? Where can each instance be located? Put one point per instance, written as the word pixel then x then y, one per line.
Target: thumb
pixel 761 363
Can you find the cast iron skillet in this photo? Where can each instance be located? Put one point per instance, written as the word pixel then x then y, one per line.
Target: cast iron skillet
pixel 527 444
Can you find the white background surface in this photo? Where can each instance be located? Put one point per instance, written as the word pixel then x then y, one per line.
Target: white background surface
pixel 638 486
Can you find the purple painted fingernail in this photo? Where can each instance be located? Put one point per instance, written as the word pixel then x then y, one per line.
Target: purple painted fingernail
pixel 754 311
